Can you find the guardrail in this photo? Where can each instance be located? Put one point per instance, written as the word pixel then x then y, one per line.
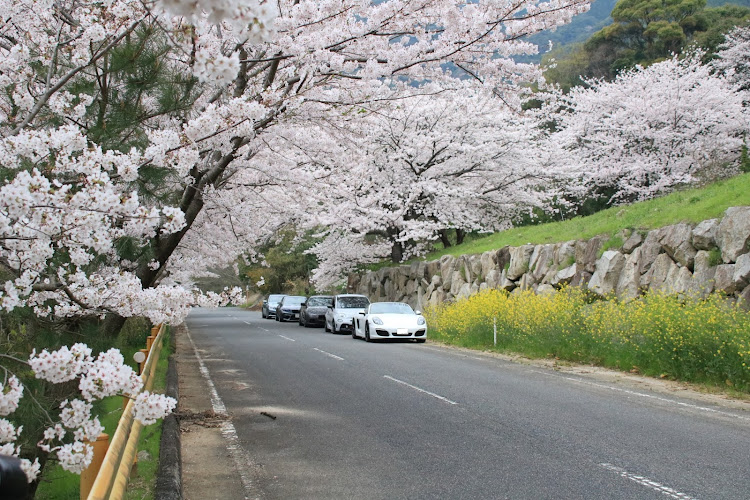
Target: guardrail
pixel 112 478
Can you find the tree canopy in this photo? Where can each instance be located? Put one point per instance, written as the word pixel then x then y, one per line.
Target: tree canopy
pixel 644 32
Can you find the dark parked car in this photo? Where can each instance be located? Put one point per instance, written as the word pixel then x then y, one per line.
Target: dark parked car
pixel 288 308
pixel 313 310
pixel 270 304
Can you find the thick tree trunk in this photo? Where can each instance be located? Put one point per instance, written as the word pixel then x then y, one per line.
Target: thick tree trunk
pixel 112 325
pixel 397 252
pixel 444 239
pixel 164 246
pixel 460 234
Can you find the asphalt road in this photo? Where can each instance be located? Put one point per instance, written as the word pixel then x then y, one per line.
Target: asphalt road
pixel 322 416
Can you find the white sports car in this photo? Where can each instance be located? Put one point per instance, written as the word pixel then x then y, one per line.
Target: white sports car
pixel 389 320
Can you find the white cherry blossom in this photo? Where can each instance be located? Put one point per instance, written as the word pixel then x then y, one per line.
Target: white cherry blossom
pixel 653 128
pixel 10 394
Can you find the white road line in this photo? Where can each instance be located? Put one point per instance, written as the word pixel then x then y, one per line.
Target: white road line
pixel 329 354
pixel 649 396
pixel 239 455
pixel 648 483
pixel 284 337
pixel 247 322
pixel 420 390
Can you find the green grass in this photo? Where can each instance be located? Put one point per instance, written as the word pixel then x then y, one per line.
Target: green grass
pixel 58 484
pixel 143 479
pixel 690 205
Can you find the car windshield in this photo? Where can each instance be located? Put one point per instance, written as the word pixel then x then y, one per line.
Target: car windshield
pixel 319 301
pixel 352 302
pixel 293 300
pixel 391 308
pixel 275 298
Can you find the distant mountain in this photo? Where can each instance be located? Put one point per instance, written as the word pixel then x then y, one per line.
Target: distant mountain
pixel 579 30
pixel 586 24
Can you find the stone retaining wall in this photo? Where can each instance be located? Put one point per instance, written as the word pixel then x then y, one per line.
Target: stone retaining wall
pixel 683 258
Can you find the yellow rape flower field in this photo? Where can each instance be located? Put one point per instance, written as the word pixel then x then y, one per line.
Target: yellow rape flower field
pixel 688 339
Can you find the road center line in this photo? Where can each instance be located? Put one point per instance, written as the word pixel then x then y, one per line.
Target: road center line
pixel 283 337
pixel 648 483
pixel 329 354
pixel 420 390
pixel 649 396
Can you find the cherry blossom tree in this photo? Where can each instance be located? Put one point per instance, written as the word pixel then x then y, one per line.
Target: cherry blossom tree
pixel 69 435
pixel 66 80
pixel 129 130
pixel 652 128
pixel 390 179
pixel 733 57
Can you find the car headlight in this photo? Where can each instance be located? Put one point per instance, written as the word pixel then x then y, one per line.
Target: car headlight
pixel 420 321
pixel 377 320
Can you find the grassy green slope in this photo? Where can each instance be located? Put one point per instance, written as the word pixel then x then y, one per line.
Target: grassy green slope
pixel 691 205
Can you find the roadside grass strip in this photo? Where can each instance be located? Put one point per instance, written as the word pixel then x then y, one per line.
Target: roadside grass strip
pixel 665 336
pixel 689 205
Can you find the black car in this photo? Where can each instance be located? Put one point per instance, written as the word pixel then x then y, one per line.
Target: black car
pixel 288 308
pixel 313 310
pixel 270 304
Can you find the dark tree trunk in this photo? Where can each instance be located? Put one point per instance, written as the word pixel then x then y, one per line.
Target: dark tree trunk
pixel 460 234
pixel 446 241
pixel 397 252
pixel 112 325
pixel 191 204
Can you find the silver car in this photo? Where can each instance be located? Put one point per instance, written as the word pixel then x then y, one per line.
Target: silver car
pixel 270 304
pixel 341 312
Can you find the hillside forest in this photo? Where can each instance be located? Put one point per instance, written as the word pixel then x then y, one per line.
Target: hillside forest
pixel 637 32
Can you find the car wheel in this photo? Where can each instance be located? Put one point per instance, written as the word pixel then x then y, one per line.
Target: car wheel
pixel 325 325
pixel 367 333
pixel 263 315
pixel 333 326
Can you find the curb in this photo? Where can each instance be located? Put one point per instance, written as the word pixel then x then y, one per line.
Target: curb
pixel 169 475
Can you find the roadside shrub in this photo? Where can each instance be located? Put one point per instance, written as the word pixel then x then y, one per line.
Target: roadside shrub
pixel 134 333
pixel 680 338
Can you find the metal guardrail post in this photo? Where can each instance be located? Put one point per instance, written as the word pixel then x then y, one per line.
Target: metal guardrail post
pixel 112 480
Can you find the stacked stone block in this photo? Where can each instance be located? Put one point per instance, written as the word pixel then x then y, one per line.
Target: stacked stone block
pixel 712 256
